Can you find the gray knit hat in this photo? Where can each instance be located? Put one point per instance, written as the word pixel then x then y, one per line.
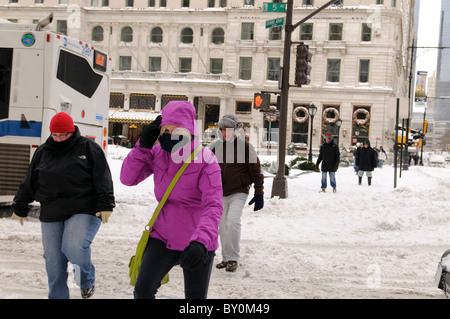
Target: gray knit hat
pixel 228 121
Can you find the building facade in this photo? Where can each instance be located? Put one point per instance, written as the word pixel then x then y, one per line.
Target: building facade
pixel 218 53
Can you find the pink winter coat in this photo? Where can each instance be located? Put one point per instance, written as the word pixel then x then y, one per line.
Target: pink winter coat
pixel 193 210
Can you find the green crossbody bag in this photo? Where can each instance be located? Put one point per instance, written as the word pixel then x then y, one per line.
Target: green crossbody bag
pixel 135 261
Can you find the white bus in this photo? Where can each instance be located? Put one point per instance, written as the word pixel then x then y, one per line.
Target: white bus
pixel 43 73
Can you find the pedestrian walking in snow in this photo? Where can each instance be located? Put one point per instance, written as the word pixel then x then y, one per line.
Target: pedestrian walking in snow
pixel 240 167
pixel 329 155
pixel 382 157
pixel 70 177
pixel 366 159
pixel 186 229
pixel 357 149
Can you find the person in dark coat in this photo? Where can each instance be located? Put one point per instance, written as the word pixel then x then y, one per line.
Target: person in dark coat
pixel 366 159
pixel 240 168
pixel 329 155
pixel 70 177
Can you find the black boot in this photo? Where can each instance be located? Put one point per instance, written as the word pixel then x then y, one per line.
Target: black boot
pixel 359 180
pixel 369 180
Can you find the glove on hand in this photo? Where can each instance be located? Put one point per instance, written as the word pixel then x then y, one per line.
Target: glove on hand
pixel 194 256
pixel 150 133
pixel 21 219
pixel 259 202
pixel 104 215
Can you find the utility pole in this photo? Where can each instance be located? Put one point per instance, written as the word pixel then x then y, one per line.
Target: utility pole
pixel 279 186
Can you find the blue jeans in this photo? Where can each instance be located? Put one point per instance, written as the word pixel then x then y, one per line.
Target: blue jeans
pixel 332 179
pixel 69 241
pixel 156 263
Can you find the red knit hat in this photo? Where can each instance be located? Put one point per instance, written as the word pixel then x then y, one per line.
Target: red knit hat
pixel 61 123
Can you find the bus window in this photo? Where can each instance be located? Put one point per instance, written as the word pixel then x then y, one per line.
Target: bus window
pixel 77 73
pixel 5 80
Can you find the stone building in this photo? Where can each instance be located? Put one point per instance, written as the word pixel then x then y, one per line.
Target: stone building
pixel 218 53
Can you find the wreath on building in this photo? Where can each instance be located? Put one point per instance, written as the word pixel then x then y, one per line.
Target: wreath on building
pixel 301 119
pixel 330 120
pixel 361 121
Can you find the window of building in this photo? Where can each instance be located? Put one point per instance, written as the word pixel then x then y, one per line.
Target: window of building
pixel 300 130
pixel 364 70
pixel 13 1
pixel 247 30
pixel 211 3
pixel 142 101
pixel 245 68
pixel 273 69
pixel 62 1
pixel 125 63
pixel 243 107
pixel 275 33
pixel 163 3
pixel 61 26
pixel 156 35
pixel 308 2
pixel 151 3
pixel 331 128
pixel 216 66
pixel 185 3
pixel 249 2
pixel 366 32
pixel 223 3
pixel 306 31
pixel 185 65
pixel 218 36
pixel 271 130
pixel 393 3
pixel 129 3
pixel 94 3
pixel 333 70
pixel 379 1
pixel 187 35
pixel 105 3
pixel 126 35
pixel 154 64
pixel 360 132
pixel 116 100
pixel 97 33
pixel 335 32
pixel 167 98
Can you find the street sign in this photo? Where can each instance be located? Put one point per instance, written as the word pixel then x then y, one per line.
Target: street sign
pixel 274 23
pixel 274 7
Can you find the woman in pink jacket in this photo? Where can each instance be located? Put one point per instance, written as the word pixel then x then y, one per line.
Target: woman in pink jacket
pixel 186 229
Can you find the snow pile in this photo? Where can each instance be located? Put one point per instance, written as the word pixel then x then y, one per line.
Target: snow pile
pixel 361 242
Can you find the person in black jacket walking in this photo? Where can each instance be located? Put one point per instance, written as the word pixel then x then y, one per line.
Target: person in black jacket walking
pixel 70 177
pixel 366 160
pixel 329 155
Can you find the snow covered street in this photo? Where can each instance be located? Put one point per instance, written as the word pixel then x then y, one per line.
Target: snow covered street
pixel 361 242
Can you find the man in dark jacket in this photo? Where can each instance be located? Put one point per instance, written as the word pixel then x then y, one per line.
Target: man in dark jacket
pixel 329 155
pixel 366 160
pixel 70 177
pixel 240 167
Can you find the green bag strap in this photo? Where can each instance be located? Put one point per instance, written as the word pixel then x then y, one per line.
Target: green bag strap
pixel 171 186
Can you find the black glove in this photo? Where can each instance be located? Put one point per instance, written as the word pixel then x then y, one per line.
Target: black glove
pixel 194 256
pixel 150 133
pixel 259 202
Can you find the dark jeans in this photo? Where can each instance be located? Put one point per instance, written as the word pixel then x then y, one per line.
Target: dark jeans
pixel 156 263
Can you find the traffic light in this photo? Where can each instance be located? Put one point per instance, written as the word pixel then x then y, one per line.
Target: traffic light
pixel 303 65
pixel 425 126
pixel 261 101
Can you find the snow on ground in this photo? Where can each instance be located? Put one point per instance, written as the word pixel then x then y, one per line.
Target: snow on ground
pixel 361 242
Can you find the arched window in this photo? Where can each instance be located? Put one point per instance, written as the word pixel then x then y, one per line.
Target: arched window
pixel 156 35
pixel 187 35
pixel 126 34
pixel 97 33
pixel 218 36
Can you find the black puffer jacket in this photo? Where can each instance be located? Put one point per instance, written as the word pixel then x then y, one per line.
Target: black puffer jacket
pixel 67 178
pixel 366 158
pixel 330 157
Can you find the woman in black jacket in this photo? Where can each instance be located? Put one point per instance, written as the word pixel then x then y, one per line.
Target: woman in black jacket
pixel 70 177
pixel 366 160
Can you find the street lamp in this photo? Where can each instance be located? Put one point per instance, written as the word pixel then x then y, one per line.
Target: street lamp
pixel 338 123
pixel 312 109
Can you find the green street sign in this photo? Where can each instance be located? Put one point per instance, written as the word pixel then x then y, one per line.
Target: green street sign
pixel 274 7
pixel 274 23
